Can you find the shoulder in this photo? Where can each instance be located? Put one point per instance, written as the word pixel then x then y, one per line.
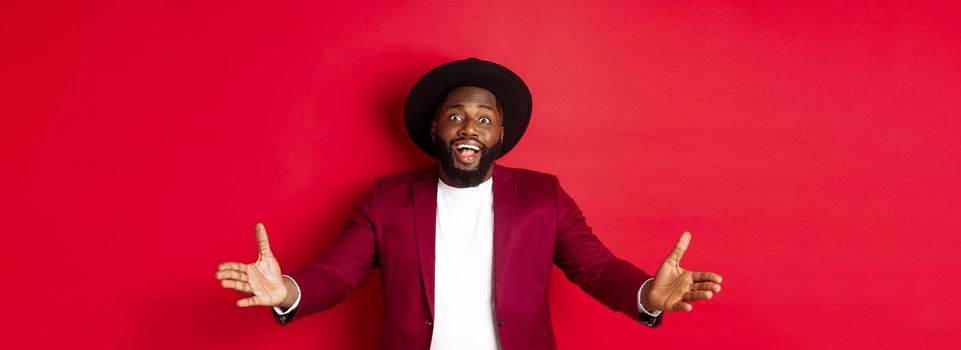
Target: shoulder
pixel 398 185
pixel 392 192
pixel 529 183
pixel 522 175
pixel 409 176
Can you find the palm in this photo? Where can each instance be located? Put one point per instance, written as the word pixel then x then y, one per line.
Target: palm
pixel 266 282
pixel 262 278
pixel 674 286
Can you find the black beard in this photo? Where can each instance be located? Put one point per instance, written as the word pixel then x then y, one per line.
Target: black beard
pixel 460 177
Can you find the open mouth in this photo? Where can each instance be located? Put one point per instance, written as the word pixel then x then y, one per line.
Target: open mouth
pixel 467 153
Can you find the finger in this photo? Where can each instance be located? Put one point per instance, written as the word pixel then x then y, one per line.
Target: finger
pixel 696 295
pixel 232 274
pixel 262 242
pixel 711 286
pixel 680 247
pixel 682 306
pixel 236 266
pixel 252 301
pixel 707 277
pixel 236 285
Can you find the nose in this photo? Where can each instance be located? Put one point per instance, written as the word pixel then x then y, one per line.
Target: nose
pixel 468 128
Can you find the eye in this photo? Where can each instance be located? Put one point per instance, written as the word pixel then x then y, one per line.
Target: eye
pixel 456 118
pixel 485 120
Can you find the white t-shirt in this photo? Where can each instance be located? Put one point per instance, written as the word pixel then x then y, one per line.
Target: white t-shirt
pixel 463 265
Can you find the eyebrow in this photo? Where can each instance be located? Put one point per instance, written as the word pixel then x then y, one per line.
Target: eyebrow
pixel 461 105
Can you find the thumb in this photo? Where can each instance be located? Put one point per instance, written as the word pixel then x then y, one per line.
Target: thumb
pixel 262 242
pixel 680 247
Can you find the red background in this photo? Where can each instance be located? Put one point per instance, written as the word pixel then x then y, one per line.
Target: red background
pixel 812 149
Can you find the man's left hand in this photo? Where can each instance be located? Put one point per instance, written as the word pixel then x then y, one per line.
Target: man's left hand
pixel 674 287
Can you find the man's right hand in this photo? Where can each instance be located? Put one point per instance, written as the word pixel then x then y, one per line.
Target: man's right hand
pixel 262 278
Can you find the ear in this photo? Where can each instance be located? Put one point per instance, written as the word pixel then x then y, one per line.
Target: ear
pixel 433 131
pixel 502 134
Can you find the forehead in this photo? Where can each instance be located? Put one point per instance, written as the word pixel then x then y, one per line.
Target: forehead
pixel 470 95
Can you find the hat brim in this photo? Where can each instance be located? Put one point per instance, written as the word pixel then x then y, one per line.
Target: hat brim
pixel 432 88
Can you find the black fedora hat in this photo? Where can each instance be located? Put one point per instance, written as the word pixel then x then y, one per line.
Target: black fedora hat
pixel 510 91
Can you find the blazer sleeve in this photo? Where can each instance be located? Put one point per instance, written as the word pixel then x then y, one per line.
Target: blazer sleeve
pixel 343 269
pixel 591 265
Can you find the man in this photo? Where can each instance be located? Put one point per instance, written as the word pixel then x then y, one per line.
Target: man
pixel 466 248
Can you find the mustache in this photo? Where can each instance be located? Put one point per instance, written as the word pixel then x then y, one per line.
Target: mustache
pixel 482 144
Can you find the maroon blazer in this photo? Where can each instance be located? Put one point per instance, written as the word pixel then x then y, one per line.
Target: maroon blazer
pixel 536 225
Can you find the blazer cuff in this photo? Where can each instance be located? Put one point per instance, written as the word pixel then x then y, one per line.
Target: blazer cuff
pixel 640 307
pixel 651 318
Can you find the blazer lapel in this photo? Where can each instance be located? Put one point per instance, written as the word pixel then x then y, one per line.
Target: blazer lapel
pixel 505 201
pixel 424 193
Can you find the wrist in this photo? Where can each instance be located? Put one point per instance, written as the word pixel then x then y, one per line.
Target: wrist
pixel 292 292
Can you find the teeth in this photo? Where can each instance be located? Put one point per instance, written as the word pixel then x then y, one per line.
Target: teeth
pixel 469 146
